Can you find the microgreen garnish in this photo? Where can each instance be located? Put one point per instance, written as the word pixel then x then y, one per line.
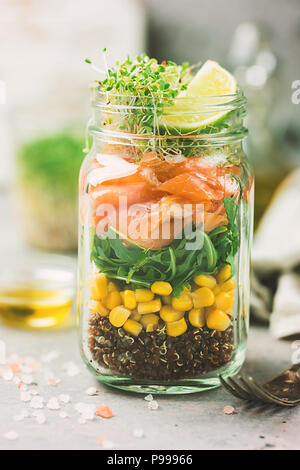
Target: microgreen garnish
pixel 147 84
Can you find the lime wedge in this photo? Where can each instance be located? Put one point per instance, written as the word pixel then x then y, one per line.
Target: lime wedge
pixel 205 92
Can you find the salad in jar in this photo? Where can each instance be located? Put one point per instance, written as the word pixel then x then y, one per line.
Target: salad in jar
pixel 165 228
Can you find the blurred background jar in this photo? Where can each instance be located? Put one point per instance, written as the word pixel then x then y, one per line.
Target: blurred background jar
pixel 47 168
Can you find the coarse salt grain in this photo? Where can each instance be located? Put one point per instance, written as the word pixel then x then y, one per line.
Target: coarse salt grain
pixel 11 436
pixel 27 379
pixel 64 398
pixel 37 402
pixel 53 404
pixel 91 391
pixel 153 405
pixel 148 397
pixel 63 415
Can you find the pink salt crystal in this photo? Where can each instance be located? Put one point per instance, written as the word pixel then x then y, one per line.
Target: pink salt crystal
pixel 53 404
pixel 27 379
pixel 13 366
pixel 53 381
pixel 229 410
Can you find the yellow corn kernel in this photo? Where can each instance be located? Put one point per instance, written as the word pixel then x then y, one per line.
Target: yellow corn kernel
pixel 183 302
pixel 135 316
pixel 197 317
pixel 149 307
pixel 149 321
pixel 224 301
pixel 97 307
pixel 161 288
pixel 133 327
pixel 168 314
pixel 228 285
pixel 98 286
pixel 203 297
pixel 112 286
pixel 119 315
pixel 113 299
pixel 167 299
pixel 224 273
pixel 176 328
pixel 217 320
pixel 217 289
pixel 144 295
pixel 129 299
pixel 205 280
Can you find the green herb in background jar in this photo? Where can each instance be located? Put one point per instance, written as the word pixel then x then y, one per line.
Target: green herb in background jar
pixel 48 169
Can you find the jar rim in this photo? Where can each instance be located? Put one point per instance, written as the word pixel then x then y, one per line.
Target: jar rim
pixel 208 111
pixel 236 100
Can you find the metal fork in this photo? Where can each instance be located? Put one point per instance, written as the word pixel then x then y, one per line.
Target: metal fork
pixel 283 390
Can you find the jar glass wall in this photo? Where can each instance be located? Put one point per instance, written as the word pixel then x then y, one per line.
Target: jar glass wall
pixel 165 224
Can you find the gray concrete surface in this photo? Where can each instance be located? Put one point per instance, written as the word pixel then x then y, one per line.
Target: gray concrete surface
pixel 182 422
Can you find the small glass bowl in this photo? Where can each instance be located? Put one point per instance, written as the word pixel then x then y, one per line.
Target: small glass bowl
pixel 37 291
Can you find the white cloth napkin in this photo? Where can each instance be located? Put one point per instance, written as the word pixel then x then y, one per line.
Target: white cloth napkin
pixel 276 261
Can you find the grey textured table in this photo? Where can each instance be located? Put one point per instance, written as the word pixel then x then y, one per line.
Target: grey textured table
pixel 183 422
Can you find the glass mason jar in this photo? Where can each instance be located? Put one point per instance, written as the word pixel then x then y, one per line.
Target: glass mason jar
pixel 165 233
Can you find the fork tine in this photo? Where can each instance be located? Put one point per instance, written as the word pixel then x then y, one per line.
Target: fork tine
pixel 230 389
pixel 251 386
pixel 266 393
pixel 241 390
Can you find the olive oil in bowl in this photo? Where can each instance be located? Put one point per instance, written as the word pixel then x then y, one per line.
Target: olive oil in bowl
pixel 39 297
